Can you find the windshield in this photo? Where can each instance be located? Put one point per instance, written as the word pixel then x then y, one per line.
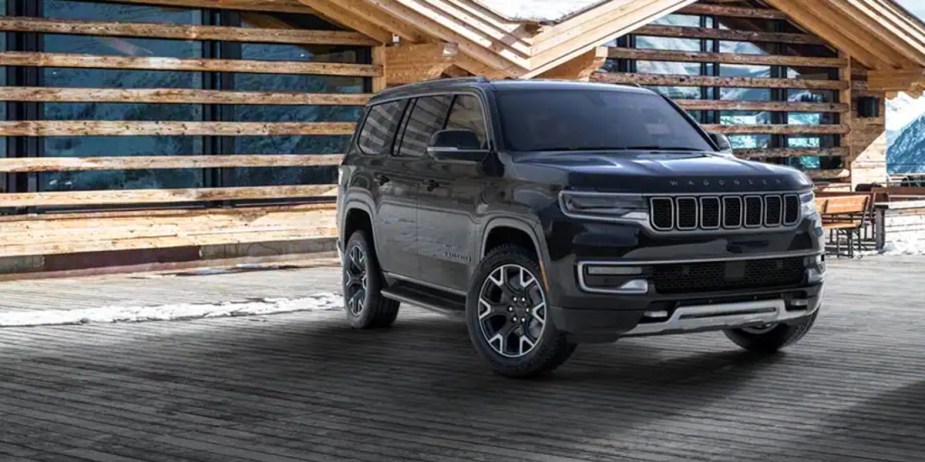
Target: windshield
pixel 563 120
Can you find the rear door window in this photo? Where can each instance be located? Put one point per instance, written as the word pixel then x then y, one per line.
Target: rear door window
pixel 428 116
pixel 379 129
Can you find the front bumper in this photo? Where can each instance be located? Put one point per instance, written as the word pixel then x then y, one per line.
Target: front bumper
pixel 661 315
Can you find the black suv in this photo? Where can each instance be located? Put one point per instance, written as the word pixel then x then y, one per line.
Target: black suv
pixel 555 213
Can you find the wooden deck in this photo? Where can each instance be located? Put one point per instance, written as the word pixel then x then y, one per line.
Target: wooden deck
pixel 304 387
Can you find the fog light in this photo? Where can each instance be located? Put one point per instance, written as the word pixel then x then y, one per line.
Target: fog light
pixel 799 302
pixel 614 270
pixel 814 275
pixel 636 286
pixel 659 314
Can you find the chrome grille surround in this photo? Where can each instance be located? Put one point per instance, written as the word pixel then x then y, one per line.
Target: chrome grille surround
pixel 752 212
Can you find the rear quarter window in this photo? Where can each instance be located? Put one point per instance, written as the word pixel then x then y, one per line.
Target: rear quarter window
pixel 378 132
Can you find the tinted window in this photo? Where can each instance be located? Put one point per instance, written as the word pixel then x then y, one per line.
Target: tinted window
pixel 379 128
pixel 467 115
pixel 593 119
pixel 427 117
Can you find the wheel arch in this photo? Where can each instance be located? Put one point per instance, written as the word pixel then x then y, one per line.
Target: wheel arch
pixel 357 215
pixel 511 231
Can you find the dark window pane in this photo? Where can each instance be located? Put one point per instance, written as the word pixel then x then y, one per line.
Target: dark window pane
pixel 120 179
pixel 467 115
pixel 123 111
pixel 329 144
pixel 69 9
pixel 283 176
pixel 299 83
pixel 380 127
pixel 310 53
pixel 593 119
pixel 750 141
pixel 428 116
pixel 117 78
pixel 91 146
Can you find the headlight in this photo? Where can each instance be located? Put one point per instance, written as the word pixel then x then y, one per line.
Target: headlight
pixel 604 206
pixel 808 204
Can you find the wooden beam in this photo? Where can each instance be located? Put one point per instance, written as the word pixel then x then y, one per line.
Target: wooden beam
pixel 579 68
pixel 778 129
pixel 62 233
pixel 177 96
pixel 144 128
pixel 361 15
pixel 725 58
pixel 15 58
pixel 273 6
pixel 732 11
pixel 83 164
pixel 728 34
pixel 380 58
pixel 770 106
pixel 772 153
pixel 335 11
pixel 895 80
pixel 833 174
pixel 418 62
pixel 183 32
pixel 163 196
pixel 703 81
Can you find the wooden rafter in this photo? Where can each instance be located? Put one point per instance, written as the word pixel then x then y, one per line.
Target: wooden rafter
pixel 579 68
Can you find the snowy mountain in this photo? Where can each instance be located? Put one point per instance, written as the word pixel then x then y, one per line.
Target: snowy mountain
pixel 906 134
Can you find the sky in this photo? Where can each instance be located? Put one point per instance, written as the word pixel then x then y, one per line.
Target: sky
pixel 915 6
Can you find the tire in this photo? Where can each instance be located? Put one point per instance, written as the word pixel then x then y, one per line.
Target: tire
pixel 364 304
pixel 771 339
pixel 507 286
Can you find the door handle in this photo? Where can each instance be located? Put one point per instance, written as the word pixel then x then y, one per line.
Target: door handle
pixel 431 184
pixel 381 179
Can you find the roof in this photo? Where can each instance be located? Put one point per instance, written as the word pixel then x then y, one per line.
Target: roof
pixel 527 38
pixel 540 11
pixel 457 84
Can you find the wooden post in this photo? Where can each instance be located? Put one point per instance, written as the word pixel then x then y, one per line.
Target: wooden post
pixel 379 59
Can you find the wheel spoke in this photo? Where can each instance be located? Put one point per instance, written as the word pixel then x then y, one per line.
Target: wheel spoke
pixel 512 310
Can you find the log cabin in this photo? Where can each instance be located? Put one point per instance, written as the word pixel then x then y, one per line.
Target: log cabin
pixel 162 133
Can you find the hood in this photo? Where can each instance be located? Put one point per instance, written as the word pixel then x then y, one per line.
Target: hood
pixel 661 173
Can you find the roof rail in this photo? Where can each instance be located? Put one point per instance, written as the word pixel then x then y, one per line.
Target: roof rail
pixel 427 83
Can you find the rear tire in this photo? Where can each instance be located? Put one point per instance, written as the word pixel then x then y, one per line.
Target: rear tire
pixel 362 281
pixel 507 316
pixel 773 338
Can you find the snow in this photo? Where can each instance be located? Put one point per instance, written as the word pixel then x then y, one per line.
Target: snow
pixel 538 10
pixel 110 314
pixel 904 247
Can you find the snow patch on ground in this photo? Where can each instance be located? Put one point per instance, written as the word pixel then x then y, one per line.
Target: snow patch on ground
pixel 110 314
pixel 538 10
pixel 904 247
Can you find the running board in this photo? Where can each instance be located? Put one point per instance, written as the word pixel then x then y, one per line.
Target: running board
pixel 428 299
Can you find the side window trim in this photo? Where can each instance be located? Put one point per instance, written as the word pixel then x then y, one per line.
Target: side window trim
pixel 403 127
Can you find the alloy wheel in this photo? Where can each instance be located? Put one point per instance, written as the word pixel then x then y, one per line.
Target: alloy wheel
pixel 355 279
pixel 512 311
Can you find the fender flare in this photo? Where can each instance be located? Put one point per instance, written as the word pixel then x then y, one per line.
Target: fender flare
pixel 520 225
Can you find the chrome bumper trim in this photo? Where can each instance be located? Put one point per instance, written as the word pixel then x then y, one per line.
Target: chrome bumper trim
pixel 725 316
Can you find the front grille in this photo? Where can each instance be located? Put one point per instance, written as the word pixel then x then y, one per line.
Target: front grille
pixel 722 276
pixel 730 212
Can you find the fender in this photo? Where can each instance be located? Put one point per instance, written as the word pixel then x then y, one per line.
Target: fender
pixel 518 224
pixel 356 203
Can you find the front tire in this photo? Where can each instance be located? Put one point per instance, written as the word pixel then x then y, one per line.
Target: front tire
pixel 771 338
pixel 507 316
pixel 362 281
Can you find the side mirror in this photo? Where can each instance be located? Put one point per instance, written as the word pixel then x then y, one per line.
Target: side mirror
pixel 456 145
pixel 722 142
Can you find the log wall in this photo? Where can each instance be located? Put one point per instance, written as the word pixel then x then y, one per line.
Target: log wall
pixel 799 62
pixel 39 219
